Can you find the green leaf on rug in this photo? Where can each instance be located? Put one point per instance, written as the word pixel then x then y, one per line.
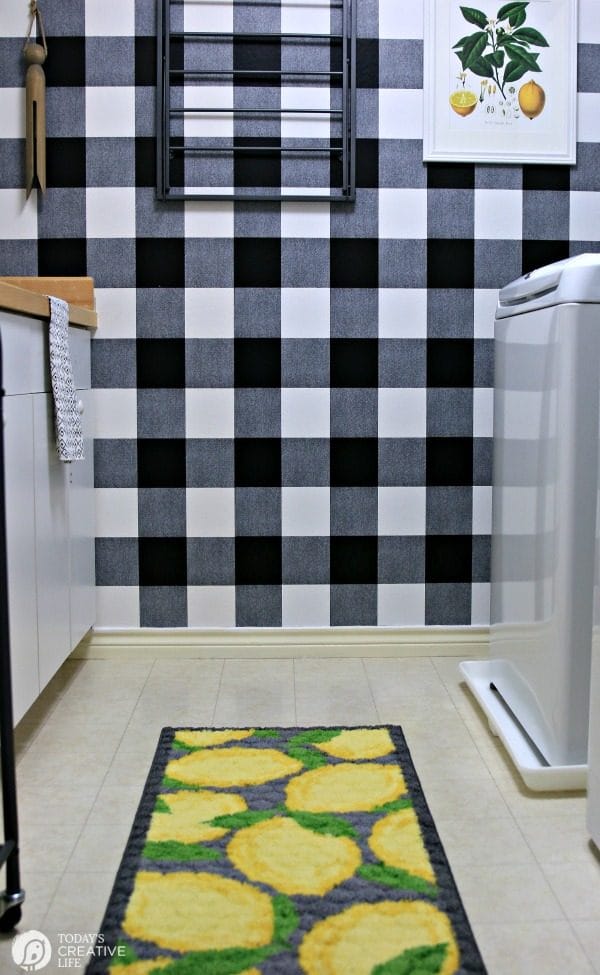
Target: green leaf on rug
pixel 314 736
pixel 233 961
pixel 161 806
pixel 286 919
pixel 378 873
pixel 168 783
pixel 179 852
pixel 323 823
pixel 309 758
pixel 394 806
pixel 425 960
pixel 229 961
pixel 265 733
pixel 181 746
pixel 246 818
pixel 124 955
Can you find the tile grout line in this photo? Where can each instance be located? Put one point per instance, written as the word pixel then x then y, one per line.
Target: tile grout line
pixel 214 710
pixel 86 820
pixel 369 685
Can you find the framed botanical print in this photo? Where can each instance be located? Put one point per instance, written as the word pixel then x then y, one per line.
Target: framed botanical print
pixel 500 81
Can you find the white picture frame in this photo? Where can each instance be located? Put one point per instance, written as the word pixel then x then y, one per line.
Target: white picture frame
pixel 494 120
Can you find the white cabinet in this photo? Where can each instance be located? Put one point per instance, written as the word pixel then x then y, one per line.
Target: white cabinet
pixel 49 510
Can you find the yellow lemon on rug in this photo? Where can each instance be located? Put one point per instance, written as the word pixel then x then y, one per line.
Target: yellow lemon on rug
pixel 345 788
pixel 208 739
pixel 155 965
pixel 223 767
pixel 292 859
pixel 141 967
pixel 396 840
pixel 187 911
pixel 358 743
pixel 366 935
pixel 190 812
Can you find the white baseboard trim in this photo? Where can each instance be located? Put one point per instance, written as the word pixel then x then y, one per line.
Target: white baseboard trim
pixel 259 642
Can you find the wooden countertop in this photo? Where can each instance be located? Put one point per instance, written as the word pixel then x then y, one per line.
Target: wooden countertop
pixel 30 297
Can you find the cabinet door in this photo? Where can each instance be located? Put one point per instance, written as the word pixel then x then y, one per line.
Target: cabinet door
pixel 52 542
pixel 20 543
pixel 82 528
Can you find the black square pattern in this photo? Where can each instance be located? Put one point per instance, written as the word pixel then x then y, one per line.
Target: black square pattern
pixel 161 363
pixel 257 363
pixel 354 462
pixel 354 362
pixel 160 262
pixel 450 362
pixel 161 463
pixel 354 262
pixel 258 561
pixel 257 462
pixel 163 561
pixel 354 560
pixel 257 262
pixel 449 461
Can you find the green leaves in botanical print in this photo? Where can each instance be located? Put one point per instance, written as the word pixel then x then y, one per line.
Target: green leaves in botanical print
pixel 501 48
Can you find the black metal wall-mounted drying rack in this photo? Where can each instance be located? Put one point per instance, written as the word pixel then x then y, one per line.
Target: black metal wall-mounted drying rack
pixel 256 114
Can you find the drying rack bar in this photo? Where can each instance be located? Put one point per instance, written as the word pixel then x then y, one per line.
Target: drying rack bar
pixel 190 150
pixel 270 36
pixel 333 112
pixel 328 62
pixel 253 72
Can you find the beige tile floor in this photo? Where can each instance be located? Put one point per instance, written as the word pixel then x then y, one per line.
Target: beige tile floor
pixel 528 877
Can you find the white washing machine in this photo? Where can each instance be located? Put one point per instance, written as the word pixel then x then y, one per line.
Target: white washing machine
pixel 593 803
pixel 535 687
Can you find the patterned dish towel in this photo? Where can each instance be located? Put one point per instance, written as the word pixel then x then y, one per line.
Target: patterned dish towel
pixel 67 420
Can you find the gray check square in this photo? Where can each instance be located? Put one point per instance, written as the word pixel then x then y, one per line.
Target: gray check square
pixel 115 463
pixel 160 313
pixel 257 312
pixel 402 264
pixel 258 606
pixel 449 510
pixel 110 61
pixel 401 559
pixel 117 562
pixel 354 412
pixel 257 412
pixel 305 560
pixel 353 511
pixel 401 63
pixel 402 363
pixel 161 512
pixel 449 412
pixel 161 413
pixel 209 363
pixel 163 606
pixel 354 313
pixel 449 313
pixel 110 162
pixel 450 213
pixel 447 604
pixel 258 511
pixel 496 262
pixel 305 363
pixel 360 219
pixel 210 463
pixel 155 218
pixel 114 364
pixel 401 164
pixel 305 463
pixel 210 561
pixel 61 212
pixel 304 263
pixel 402 462
pixel 111 261
pixel 353 605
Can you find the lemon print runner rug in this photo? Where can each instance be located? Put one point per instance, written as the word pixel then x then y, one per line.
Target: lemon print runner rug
pixel 284 851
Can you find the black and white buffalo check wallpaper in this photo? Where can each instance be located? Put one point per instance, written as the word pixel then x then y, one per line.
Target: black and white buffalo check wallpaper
pixel 293 402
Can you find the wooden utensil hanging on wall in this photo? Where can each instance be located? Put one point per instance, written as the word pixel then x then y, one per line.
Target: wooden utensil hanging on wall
pixel 35 104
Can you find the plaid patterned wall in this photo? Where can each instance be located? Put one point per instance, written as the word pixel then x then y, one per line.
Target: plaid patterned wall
pixel 293 403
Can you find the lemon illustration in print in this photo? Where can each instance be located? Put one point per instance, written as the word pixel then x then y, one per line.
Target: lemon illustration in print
pixel 358 743
pixel 346 787
pixel 396 840
pixel 365 936
pixel 184 816
pixel 463 102
pixel 224 767
pixel 186 911
pixel 532 99
pixel 208 739
pixel 293 859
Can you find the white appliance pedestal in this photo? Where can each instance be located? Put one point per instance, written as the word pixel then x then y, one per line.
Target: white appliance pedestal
pixel 535 772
